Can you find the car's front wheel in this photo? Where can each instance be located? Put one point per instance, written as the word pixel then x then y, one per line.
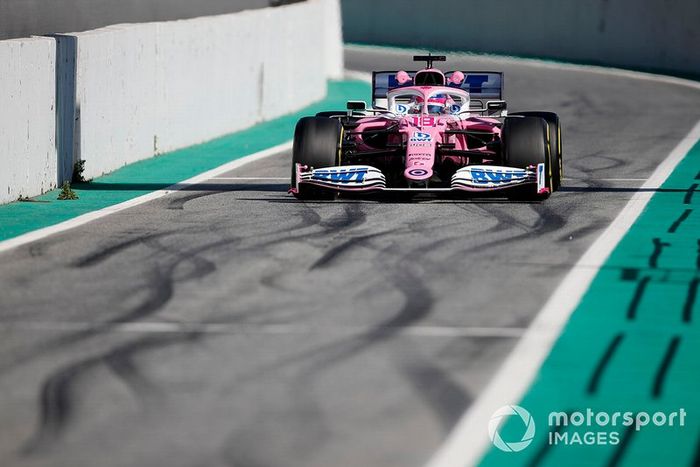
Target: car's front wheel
pixel 525 143
pixel 317 143
pixel 555 143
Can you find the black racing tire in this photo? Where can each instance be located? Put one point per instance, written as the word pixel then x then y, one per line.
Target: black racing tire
pixel 555 144
pixel 316 144
pixel 525 143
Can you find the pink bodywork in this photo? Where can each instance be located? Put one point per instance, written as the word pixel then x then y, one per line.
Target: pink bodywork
pixel 413 128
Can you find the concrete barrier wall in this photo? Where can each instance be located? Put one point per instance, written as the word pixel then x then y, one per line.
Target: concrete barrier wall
pixel 655 35
pixel 28 157
pixel 124 93
pixel 149 88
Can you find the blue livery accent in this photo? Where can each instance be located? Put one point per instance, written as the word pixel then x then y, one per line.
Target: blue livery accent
pixel 493 176
pixel 476 82
pixel 421 137
pixel 337 176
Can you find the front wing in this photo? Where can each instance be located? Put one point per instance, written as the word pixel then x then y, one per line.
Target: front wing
pixel 472 178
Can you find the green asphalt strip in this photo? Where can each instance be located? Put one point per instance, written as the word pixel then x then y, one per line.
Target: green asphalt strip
pixel 159 172
pixel 632 344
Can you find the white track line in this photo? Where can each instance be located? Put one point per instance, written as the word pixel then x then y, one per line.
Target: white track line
pixel 469 440
pixel 91 216
pixel 251 328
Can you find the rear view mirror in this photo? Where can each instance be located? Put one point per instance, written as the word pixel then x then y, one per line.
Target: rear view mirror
pixel 357 105
pixel 494 106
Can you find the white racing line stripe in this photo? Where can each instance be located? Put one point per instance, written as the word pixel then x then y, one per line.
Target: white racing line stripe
pixel 468 441
pixel 94 215
pixel 240 328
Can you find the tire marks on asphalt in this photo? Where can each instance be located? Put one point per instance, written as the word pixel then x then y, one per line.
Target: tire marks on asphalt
pixel 59 391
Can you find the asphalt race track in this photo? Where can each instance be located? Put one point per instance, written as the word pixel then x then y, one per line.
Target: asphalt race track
pixel 230 325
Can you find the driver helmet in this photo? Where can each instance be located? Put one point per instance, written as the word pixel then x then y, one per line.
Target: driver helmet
pixel 437 105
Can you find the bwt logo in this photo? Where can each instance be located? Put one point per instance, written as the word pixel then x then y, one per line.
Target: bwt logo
pixel 496 423
pixel 421 137
pixel 357 176
pixel 492 176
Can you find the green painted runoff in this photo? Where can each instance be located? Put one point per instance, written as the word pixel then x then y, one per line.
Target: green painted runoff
pixel 632 344
pixel 164 170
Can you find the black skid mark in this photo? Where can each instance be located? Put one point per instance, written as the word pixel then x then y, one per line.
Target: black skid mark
pixel 637 297
pixel 159 287
pixel 123 366
pixel 661 372
pixel 687 199
pixel 547 221
pixel 677 223
pixel 597 375
pixel 104 253
pixel 339 250
pixel 658 249
pixel 353 216
pixel 547 446
pixel 690 300
pixel 57 397
pixel 179 203
pixel 447 399
pixel 622 447
pixel 696 457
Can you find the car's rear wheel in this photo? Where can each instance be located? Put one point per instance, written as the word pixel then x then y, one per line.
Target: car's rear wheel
pixel 555 144
pixel 525 143
pixel 317 143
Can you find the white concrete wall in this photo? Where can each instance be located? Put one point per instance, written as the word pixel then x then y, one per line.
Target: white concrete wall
pixel 129 92
pixel 27 117
pixel 656 35
pixel 150 88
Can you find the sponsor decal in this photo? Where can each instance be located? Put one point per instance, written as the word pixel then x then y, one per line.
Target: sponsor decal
pixel 495 175
pixel 485 177
pixel 340 175
pixel 541 183
pixel 454 109
pixel 419 157
pixel 401 109
pixel 417 172
pixel 421 137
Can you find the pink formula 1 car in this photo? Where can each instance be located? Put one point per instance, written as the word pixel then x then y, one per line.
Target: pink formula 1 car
pixel 429 131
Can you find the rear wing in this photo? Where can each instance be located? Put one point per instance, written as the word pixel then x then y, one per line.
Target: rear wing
pixel 481 85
